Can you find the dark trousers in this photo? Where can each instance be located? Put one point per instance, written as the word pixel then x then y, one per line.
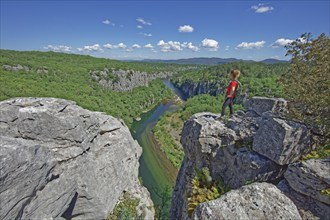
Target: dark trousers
pixel 227 102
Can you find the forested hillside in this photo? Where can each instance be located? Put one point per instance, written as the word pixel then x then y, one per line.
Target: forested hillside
pixel 68 76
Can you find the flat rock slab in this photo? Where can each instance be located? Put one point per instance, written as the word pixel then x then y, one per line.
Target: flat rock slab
pixel 260 105
pixel 255 201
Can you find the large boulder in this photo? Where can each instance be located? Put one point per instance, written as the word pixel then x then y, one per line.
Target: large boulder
pixel 255 201
pixel 306 184
pixel 254 145
pixel 281 140
pixel 226 149
pixel 260 105
pixel 310 178
pixel 60 160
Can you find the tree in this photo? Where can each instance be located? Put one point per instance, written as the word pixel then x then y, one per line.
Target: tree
pixel 307 83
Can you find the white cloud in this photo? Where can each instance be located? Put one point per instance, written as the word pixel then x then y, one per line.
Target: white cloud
pixel 148 46
pixel 146 34
pixel 169 46
pixel 227 47
pixel 136 46
pixel 108 46
pixel 186 29
pixel 190 46
pixel 210 44
pixel 95 47
pixel 262 8
pixel 107 22
pixel 144 22
pixel 129 50
pixel 173 46
pixel 58 48
pixel 251 45
pixel 139 26
pixel 120 46
pixel 281 42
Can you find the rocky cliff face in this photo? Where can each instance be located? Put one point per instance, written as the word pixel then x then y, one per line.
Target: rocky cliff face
pixel 59 160
pixel 125 80
pixel 190 89
pixel 254 146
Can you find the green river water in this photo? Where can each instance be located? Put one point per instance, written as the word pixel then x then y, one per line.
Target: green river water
pixel 156 170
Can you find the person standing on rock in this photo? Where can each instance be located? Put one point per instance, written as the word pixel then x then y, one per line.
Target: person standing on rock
pixel 230 93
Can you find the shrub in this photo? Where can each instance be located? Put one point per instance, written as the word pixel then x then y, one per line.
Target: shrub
pixel 203 189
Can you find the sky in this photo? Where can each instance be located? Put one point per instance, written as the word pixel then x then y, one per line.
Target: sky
pixel 127 30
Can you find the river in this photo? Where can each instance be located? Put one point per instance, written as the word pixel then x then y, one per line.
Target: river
pixel 156 170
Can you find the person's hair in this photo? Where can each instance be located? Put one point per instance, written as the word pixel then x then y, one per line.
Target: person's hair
pixel 235 73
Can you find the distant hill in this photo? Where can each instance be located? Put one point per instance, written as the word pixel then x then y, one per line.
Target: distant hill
pixel 210 61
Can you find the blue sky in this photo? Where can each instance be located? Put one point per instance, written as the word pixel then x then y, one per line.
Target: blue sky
pixel 161 29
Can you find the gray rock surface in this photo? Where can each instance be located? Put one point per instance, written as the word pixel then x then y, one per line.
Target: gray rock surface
pixel 260 105
pixel 60 160
pixel 310 177
pixel 125 80
pixel 282 141
pixel 255 201
pixel 309 208
pixel 16 68
pixel 226 149
pixel 254 145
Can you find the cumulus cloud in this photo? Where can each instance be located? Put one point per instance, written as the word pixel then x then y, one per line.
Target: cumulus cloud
pixel 139 26
pixel 113 46
pixel 91 48
pixel 281 42
pixel 251 45
pixel 148 46
pixel 210 44
pixel 174 46
pixel 169 46
pixel 262 8
pixel 186 29
pixel 108 46
pixel 190 46
pixel 58 48
pixel 136 46
pixel 108 22
pixel 144 22
pixel 120 46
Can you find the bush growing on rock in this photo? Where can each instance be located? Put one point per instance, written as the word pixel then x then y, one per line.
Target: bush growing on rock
pixel 307 82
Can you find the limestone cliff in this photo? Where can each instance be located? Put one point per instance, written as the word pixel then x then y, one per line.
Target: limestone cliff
pixel 254 146
pixel 125 80
pixel 58 160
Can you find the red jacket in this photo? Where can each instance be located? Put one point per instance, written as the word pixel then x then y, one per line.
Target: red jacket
pixel 234 84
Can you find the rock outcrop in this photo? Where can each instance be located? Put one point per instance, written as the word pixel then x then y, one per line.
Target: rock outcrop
pixel 125 80
pixel 59 160
pixel 255 145
pixel 16 68
pixel 255 201
pixel 306 184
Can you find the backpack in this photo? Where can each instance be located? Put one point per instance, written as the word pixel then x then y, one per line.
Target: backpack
pixel 238 94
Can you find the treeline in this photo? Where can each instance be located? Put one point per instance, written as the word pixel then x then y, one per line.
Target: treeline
pixel 67 76
pixel 257 78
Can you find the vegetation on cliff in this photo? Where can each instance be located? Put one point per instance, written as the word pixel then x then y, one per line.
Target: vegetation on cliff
pixel 307 83
pixel 67 76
